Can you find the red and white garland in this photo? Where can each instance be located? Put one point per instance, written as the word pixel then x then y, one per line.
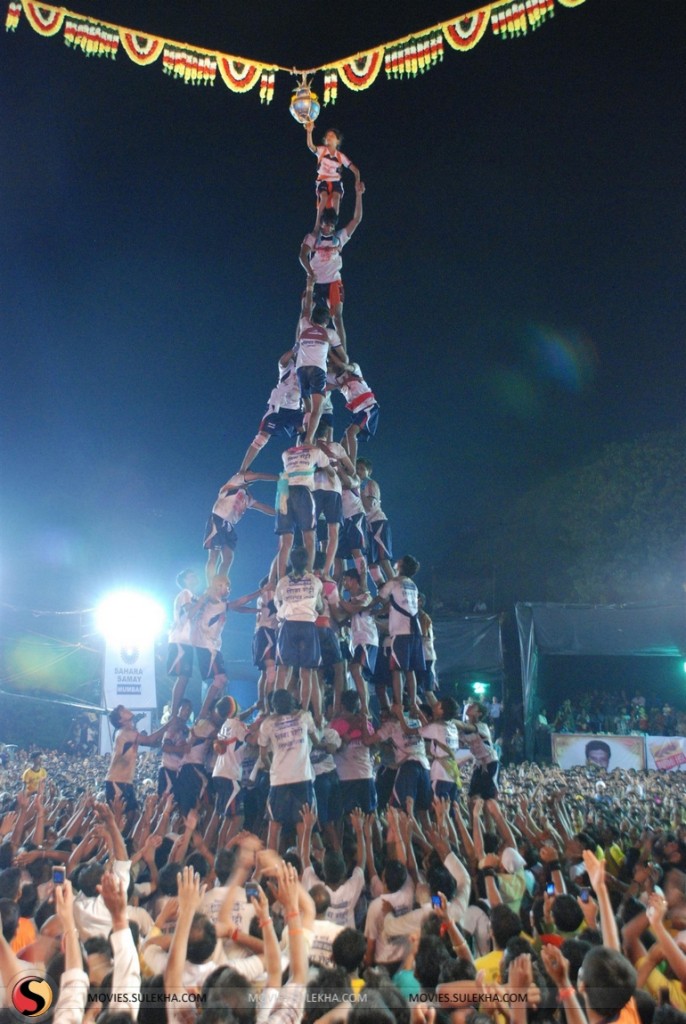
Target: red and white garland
pixel 409 56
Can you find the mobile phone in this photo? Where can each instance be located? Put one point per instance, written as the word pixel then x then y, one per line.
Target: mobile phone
pixel 584 895
pixel 59 874
pixel 436 902
pixel 252 890
pixel 550 888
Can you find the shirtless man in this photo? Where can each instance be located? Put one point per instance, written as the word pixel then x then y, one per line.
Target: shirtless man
pixel 122 771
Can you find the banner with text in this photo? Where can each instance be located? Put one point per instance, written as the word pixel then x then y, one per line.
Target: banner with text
pixel 130 676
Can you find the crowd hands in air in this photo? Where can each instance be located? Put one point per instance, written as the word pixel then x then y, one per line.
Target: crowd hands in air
pixel 550 899
pixel 306 860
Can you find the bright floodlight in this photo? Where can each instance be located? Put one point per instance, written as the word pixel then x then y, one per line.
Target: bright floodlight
pixel 128 618
pixel 479 689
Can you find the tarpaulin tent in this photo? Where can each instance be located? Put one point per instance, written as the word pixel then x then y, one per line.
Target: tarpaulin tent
pixel 572 629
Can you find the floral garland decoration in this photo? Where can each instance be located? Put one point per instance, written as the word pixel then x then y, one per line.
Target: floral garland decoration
pixel 409 56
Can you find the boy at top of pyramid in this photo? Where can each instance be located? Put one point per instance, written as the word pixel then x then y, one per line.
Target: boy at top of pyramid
pixel 330 161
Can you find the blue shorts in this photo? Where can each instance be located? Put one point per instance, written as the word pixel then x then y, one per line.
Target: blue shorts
pixel 327 789
pixel 382 669
pixel 312 380
pixel 326 420
pixel 379 542
pixel 443 790
pixel 385 780
pixel 426 679
pixel 281 422
pixel 210 663
pixel 166 780
pixel 412 780
pixel 365 656
pixel 180 660
pixel 123 789
pixel 300 512
pixel 228 797
pixel 285 803
pixel 367 420
pixel 329 505
pixel 358 793
pixel 329 647
pixel 484 781
pixel 263 645
pixel 190 786
pixel 407 653
pixel 297 645
pixel 219 534
pixel 353 536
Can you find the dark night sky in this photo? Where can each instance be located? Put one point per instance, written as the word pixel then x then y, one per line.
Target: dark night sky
pixel 515 293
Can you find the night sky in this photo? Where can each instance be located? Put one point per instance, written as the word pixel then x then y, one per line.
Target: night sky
pixel 514 294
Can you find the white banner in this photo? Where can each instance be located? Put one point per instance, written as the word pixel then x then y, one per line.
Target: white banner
pixel 130 676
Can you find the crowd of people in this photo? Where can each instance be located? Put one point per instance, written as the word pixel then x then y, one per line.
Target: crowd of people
pixel 601 710
pixel 561 897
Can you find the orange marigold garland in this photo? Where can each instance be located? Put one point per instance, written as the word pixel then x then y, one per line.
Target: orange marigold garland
pixel 467 31
pixel 47 21
pixel 192 67
pixel 91 38
pixel 141 49
pixel 361 72
pixel 13 16
pixel 239 76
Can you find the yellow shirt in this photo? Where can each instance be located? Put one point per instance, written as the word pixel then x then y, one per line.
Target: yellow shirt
pixel 657 981
pixel 32 780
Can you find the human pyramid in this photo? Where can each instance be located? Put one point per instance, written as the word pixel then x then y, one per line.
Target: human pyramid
pixel 333 534
pixel 318 624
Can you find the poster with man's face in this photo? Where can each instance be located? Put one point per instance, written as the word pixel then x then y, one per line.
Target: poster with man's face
pixel 608 752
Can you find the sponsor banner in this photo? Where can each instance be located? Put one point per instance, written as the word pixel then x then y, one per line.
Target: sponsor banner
pixel 572 749
pixel 130 676
pixel 666 753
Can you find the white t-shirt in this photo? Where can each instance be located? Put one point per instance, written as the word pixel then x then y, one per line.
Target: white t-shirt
pixel 447 734
pixel 362 627
pixel 387 950
pixel 325 256
pixel 286 394
pixel 300 462
pixel 180 632
pixel 207 628
pixel 324 933
pixel 314 342
pixel 407 748
pixel 232 506
pixel 353 760
pixel 296 598
pixel 352 502
pixel 480 745
pixel 343 899
pixel 228 764
pixel 405 594
pixel 288 736
pixel 329 164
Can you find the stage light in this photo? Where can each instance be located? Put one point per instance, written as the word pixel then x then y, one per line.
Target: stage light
pixel 129 619
pixel 479 689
